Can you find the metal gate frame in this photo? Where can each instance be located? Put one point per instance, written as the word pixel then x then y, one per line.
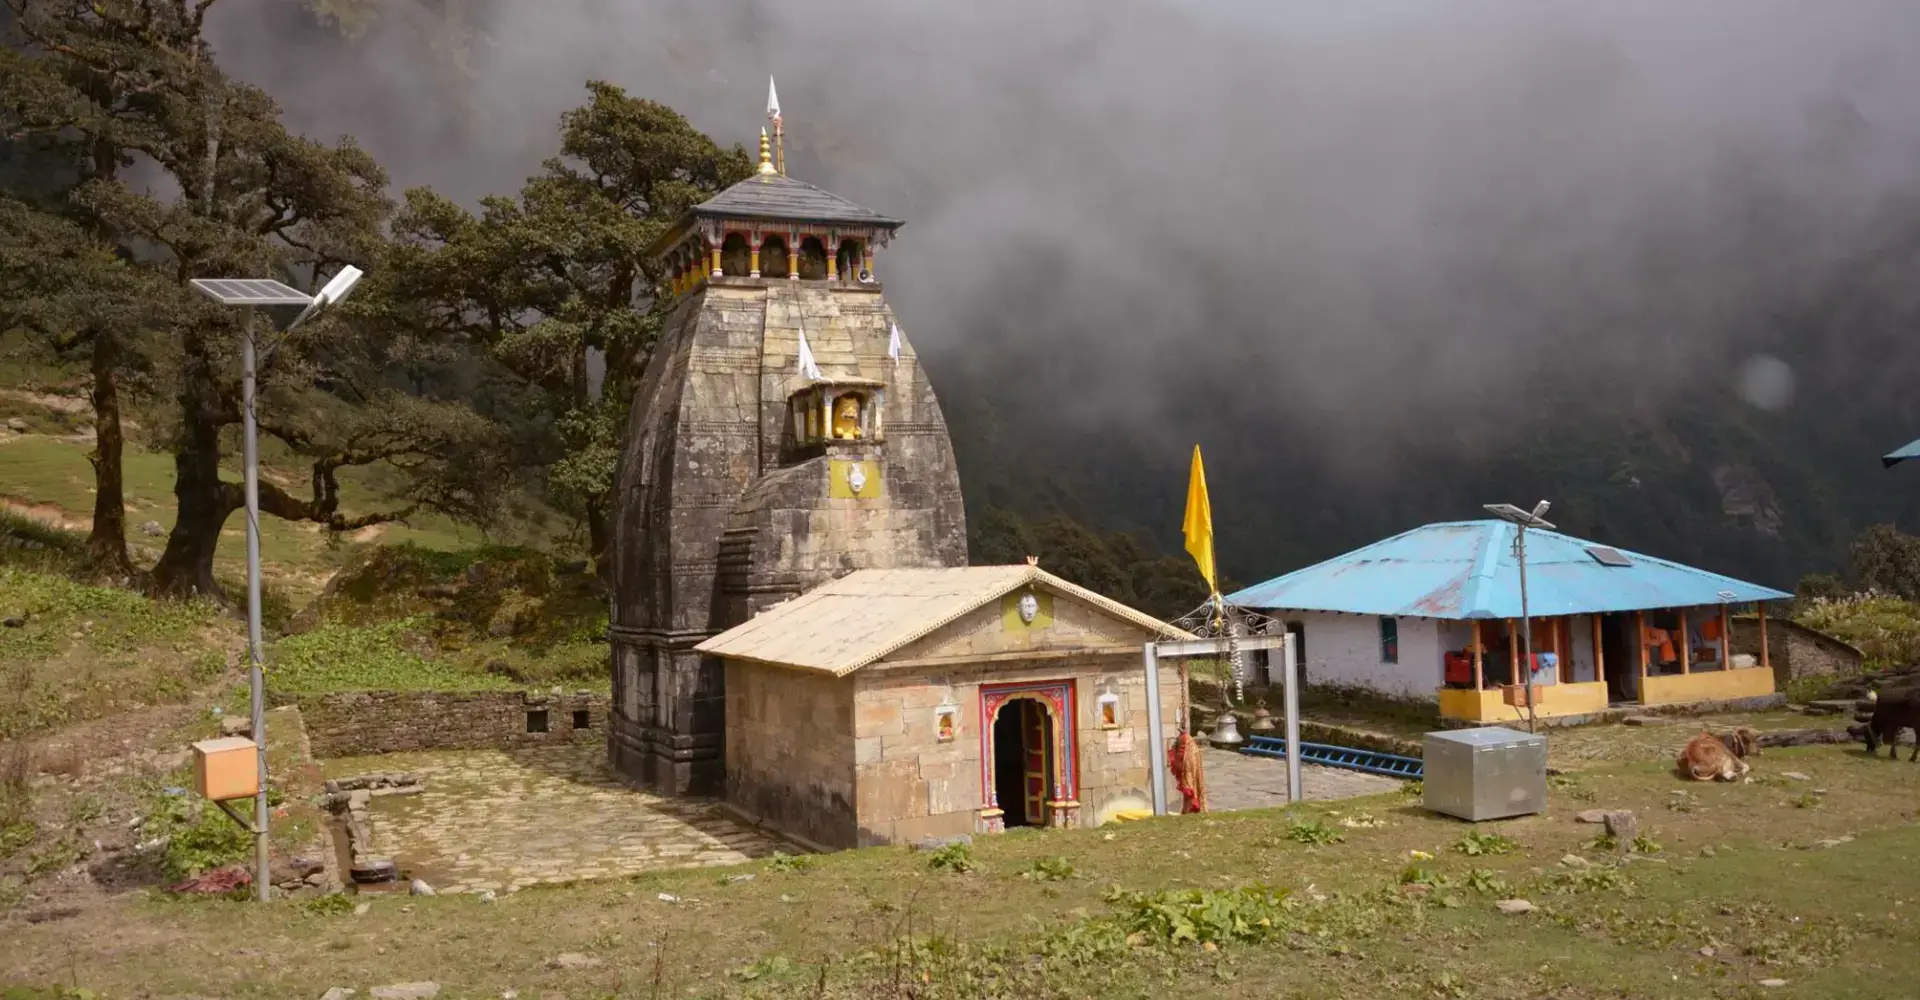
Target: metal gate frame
pixel 1153 652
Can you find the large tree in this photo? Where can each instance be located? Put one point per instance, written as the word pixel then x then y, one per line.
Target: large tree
pixel 558 275
pixel 136 81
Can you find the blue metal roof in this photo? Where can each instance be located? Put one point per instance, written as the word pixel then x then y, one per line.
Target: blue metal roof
pixel 1909 450
pixel 1466 569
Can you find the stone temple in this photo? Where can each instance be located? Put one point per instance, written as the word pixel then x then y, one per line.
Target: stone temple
pixel 783 436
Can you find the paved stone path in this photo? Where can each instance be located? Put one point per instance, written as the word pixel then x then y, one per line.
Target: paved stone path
pixel 507 820
pixel 1239 781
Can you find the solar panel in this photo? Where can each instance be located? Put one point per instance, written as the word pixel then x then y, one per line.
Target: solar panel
pixel 250 292
pixel 1607 555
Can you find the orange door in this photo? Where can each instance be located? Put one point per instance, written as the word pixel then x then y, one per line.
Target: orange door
pixel 1037 747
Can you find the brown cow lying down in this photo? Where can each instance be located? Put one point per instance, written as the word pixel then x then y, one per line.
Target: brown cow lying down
pixel 1709 757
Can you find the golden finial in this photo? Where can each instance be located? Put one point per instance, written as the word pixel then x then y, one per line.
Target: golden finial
pixel 766 155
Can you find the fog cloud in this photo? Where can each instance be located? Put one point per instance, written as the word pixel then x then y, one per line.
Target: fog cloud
pixel 1333 218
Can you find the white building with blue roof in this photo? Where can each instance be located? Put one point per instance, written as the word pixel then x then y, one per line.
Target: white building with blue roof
pixel 1434 614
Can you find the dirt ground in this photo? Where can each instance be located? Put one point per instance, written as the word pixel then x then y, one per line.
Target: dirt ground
pixel 1802 883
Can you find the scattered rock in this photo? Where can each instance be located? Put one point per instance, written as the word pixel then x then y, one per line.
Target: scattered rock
pixel 338 993
pixel 406 991
pixel 1836 841
pixel 360 909
pixel 739 878
pixel 236 725
pixel 1576 861
pixel 1708 851
pixel 1831 706
pixel 18 425
pixel 487 896
pixel 1794 776
pixel 1513 906
pixel 421 888
pixel 572 960
pixel 1708 951
pixel 1646 720
pixel 318 880
pixel 14 621
pixel 667 897
pixel 936 843
pixel 152 529
pixel 1594 816
pixel 1622 826
pixel 1773 983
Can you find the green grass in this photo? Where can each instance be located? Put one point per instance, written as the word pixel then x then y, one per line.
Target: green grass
pixel 87 651
pixel 299 557
pixel 1222 905
pixel 365 658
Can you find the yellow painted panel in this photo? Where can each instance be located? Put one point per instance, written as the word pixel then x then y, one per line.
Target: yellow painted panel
pixel 841 479
pixel 1708 685
pixel 1010 611
pixel 1551 700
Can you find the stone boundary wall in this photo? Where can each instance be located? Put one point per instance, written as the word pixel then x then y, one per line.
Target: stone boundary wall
pixel 358 723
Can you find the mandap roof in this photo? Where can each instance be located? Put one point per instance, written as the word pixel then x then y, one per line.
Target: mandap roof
pixel 775 198
pixel 862 617
pixel 1466 569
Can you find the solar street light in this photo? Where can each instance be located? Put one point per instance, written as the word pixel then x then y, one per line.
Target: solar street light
pixel 296 307
pixel 1524 519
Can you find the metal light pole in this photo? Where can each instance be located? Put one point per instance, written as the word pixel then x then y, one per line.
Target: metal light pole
pixel 1524 520
pixel 263 293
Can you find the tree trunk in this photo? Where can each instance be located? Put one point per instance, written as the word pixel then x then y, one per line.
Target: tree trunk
pixel 600 538
pixel 202 499
pixel 107 544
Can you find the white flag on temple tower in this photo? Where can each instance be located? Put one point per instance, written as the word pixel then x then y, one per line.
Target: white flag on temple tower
pixel 808 369
pixel 893 345
pixel 773 103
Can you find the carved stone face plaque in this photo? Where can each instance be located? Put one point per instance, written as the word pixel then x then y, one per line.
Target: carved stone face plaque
pixel 1029 607
pixel 856 477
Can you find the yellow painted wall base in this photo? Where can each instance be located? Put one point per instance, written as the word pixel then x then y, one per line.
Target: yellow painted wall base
pixel 1551 701
pixel 1711 685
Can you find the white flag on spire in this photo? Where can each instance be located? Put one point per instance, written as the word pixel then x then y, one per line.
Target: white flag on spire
pixel 773 103
pixel 808 370
pixel 893 345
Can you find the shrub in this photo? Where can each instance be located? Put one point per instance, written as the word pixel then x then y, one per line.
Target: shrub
pixel 955 858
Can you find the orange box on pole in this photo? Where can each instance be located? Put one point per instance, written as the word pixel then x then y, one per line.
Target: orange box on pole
pixel 227 768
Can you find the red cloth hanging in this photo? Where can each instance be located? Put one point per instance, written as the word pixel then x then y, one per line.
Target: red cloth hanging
pixel 1184 760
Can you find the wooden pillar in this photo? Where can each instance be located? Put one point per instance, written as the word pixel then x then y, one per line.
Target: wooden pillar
pixel 1640 639
pixel 1479 675
pixel 793 255
pixel 1726 638
pixel 1563 647
pixel 753 256
pixel 1513 654
pixel 833 258
pixel 1686 645
pixel 1599 652
pixel 717 272
pixel 1761 606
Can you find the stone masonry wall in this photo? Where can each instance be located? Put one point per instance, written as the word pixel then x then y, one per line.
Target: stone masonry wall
pixel 355 723
pixel 909 785
pixel 790 751
pixel 1795 650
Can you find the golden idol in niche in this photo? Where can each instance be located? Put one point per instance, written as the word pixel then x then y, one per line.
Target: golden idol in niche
pixel 846 417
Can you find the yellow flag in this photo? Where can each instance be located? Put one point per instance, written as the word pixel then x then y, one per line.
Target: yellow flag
pixel 1199 523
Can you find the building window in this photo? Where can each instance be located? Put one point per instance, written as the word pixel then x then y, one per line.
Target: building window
pixel 581 720
pixel 1389 640
pixel 537 720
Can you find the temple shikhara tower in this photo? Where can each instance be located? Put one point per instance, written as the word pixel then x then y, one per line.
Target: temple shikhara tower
pixel 782 437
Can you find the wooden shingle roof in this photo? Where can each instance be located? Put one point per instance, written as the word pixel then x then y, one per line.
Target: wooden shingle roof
pixel 865 616
pixel 781 198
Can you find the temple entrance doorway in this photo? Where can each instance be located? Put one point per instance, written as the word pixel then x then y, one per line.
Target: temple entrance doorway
pixel 1023 761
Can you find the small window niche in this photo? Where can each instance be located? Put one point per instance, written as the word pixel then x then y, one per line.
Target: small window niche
pixel 536 720
pixel 946 722
pixel 581 720
pixel 849 416
pixel 1107 710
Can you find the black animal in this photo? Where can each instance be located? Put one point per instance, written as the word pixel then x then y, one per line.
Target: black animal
pixel 1893 711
